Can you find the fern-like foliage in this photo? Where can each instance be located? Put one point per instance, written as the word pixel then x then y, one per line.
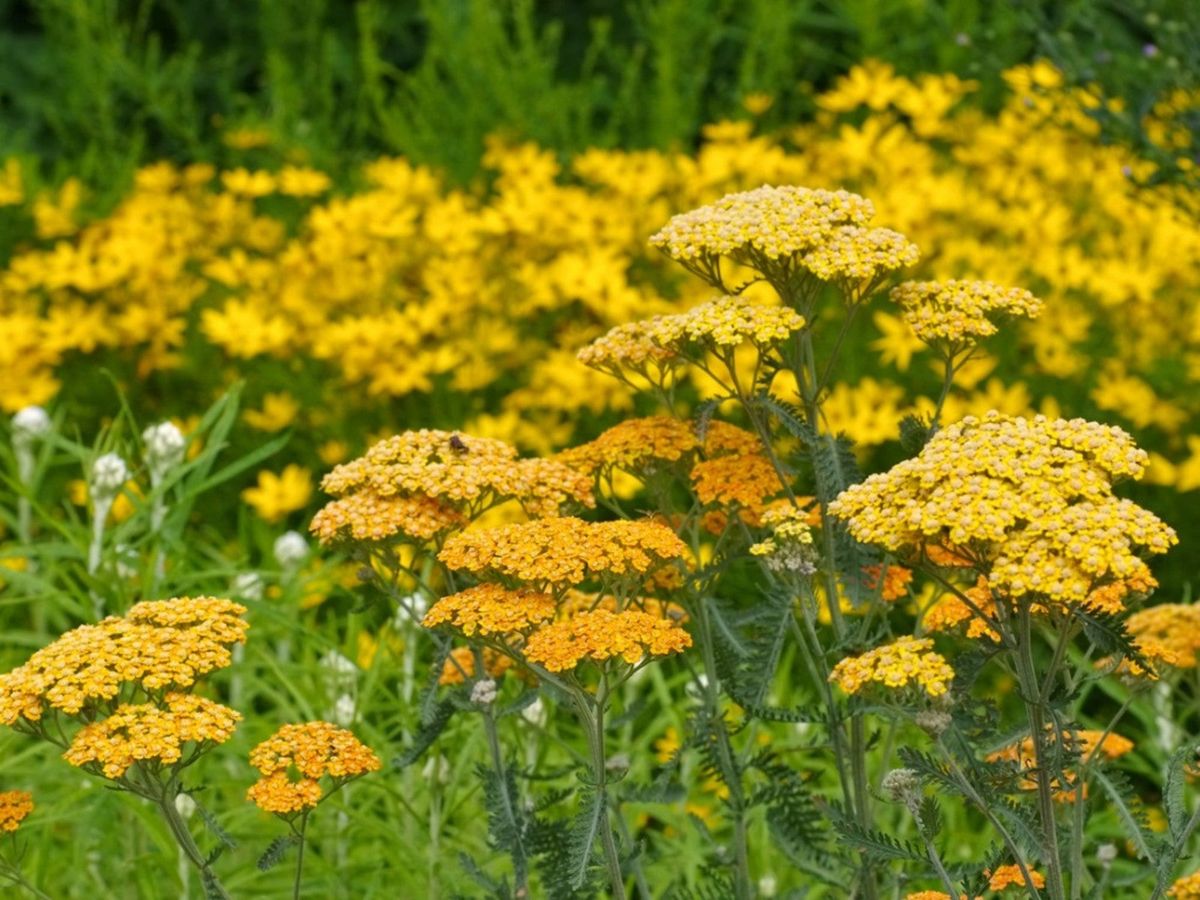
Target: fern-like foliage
pixel 276 851
pixel 442 712
pixel 507 824
pixel 876 845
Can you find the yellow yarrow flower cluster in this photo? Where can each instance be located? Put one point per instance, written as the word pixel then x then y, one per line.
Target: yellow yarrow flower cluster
pixel 295 758
pixel 906 661
pixel 958 313
pixel 146 732
pixel 1031 497
pixel 600 635
pixel 790 546
pixel 1169 630
pixel 771 222
pixel 857 257
pixel 469 473
pixel 158 644
pixel 490 609
pixel 460 665
pixel 14 807
pixel 564 551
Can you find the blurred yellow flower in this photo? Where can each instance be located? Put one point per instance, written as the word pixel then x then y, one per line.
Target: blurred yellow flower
pixel 278 411
pixel 277 495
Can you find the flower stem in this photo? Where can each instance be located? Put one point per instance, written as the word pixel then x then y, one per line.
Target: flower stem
pixel 183 837
pixel 591 716
pixel 300 855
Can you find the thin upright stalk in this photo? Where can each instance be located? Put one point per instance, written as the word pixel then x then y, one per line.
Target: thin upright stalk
pixel 1034 708
pixel 741 873
pixel 591 716
pixel 183 837
pixel 520 868
pixel 300 855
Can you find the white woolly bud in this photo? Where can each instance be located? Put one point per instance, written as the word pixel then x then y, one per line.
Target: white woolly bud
pixel 290 549
pixel 185 805
pixel 164 449
pixel 248 586
pixel 109 474
pixel 484 692
pixel 535 713
pixel 767 886
pixel 436 768
pixel 29 424
pixel 344 710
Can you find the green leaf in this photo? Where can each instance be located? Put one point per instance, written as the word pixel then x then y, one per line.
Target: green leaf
pixel 1125 803
pixel 276 851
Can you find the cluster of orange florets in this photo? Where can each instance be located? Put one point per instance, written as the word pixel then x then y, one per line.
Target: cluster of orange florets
pixel 293 761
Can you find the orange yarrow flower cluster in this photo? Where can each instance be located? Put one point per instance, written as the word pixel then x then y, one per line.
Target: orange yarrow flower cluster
pixel 144 732
pixel 14 807
pixel 635 445
pixel 460 665
pixel 1031 498
pixel 601 634
pixel 422 484
pixel 491 609
pixel 157 644
pixel 294 759
pixel 564 551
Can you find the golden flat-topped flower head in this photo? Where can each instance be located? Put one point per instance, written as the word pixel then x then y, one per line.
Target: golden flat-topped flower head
pixel 771 222
pixel 157 644
pixel 1010 875
pixel 1170 630
pixel 905 662
pixel 1186 888
pixel 957 313
pixel 295 758
pixel 365 517
pixel 856 257
pixel 601 634
pixel 14 807
pixel 146 732
pixel 634 445
pixel 564 551
pixel 491 609
pixel 1031 498
pixel 467 473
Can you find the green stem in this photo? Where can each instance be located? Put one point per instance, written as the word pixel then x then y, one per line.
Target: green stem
pixel 13 874
pixel 300 855
pixel 971 794
pixel 183 837
pixel 730 773
pixel 520 869
pixel 591 716
pixel 1034 708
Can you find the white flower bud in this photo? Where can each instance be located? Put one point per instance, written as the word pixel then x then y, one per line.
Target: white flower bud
pixel 767 886
pixel 29 424
pixel 535 713
pixel 436 768
pixel 344 711
pixel 290 549
pixel 484 692
pixel 1105 854
pixel 109 474
pixel 164 448
pixel 248 586
pixel 185 805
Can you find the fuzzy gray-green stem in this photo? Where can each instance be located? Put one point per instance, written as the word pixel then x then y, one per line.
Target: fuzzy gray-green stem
pixel 520 869
pixel 591 717
pixel 1035 711
pixel 183 837
pixel 741 873
pixel 300 855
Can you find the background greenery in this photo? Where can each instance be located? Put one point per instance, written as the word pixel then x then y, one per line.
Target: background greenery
pixel 94 87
